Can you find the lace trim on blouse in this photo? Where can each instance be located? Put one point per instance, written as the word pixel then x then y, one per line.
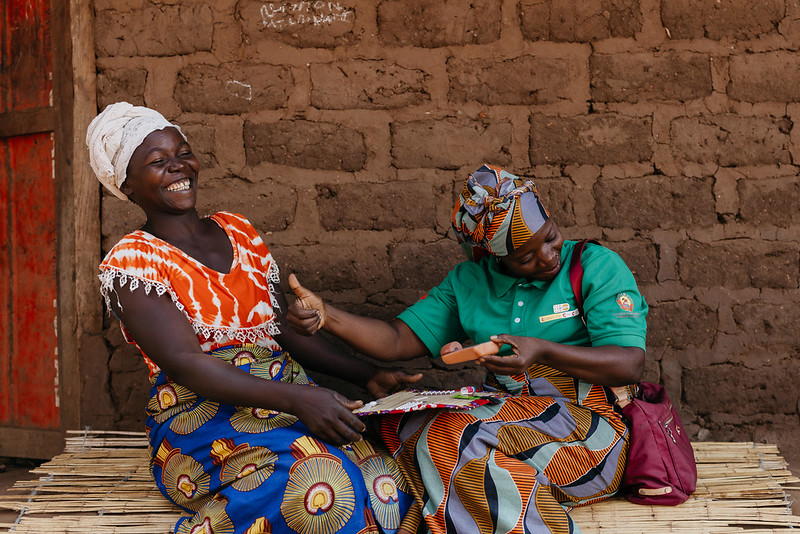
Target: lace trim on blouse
pixel 217 333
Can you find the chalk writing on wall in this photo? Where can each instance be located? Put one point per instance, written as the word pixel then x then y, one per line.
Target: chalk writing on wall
pixel 240 89
pixel 285 15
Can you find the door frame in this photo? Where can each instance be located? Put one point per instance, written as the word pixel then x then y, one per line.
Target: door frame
pixel 80 309
pixel 77 213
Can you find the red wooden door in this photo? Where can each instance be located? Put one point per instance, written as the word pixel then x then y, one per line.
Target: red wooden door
pixel 29 396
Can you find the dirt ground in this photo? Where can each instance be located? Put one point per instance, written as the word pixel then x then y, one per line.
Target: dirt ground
pixel 12 470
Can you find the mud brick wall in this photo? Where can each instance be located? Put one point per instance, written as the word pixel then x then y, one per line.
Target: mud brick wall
pixel 665 129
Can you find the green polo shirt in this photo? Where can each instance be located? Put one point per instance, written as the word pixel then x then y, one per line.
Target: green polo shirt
pixel 476 301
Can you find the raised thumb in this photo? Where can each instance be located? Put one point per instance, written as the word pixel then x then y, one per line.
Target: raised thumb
pixel 299 290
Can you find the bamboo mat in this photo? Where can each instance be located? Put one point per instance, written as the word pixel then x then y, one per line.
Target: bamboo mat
pixel 101 484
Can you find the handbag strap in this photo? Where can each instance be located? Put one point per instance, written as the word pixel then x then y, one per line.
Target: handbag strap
pixel 622 393
pixel 576 273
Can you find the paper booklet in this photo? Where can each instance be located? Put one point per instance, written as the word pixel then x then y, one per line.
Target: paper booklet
pixel 411 400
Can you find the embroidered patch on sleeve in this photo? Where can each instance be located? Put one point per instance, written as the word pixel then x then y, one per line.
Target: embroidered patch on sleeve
pixel 625 302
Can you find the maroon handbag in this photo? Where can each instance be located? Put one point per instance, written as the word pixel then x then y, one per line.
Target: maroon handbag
pixel 661 467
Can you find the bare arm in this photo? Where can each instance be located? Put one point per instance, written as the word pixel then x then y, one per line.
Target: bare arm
pixel 608 365
pixel 165 335
pixel 319 354
pixel 384 341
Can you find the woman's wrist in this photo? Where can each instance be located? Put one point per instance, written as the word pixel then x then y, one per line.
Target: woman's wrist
pixel 329 318
pixel 362 372
pixel 285 400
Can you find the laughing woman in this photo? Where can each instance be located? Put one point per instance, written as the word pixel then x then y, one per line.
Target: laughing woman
pixel 557 441
pixel 241 438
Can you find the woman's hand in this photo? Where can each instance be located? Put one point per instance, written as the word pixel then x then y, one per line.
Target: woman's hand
pixel 387 381
pixel 606 365
pixel 450 347
pixel 307 314
pixel 327 414
pixel 527 351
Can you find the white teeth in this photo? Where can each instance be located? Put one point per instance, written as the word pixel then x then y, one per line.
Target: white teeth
pixel 181 185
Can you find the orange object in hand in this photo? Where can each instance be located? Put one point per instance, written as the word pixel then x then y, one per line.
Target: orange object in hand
pixel 471 353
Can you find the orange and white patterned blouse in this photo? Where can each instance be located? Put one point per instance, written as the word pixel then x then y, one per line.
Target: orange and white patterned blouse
pixel 223 308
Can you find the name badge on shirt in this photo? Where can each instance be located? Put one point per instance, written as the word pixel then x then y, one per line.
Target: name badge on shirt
pixel 555 316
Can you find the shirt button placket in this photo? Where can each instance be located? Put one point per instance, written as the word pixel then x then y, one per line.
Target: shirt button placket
pixel 518 314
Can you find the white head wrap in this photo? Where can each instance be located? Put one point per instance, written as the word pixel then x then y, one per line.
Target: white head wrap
pixel 113 136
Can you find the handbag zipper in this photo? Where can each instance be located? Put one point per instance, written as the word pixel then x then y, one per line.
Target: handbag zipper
pixel 669 430
pixel 679 481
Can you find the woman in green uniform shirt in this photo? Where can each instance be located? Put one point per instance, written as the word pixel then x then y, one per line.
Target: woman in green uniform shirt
pixel 557 441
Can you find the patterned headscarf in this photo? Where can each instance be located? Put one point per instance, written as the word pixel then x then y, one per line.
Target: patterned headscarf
pixel 112 137
pixel 496 213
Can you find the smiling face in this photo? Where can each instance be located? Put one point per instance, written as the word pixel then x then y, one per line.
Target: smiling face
pixel 162 173
pixel 539 258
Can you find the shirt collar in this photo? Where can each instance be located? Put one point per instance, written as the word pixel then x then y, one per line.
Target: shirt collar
pixel 502 283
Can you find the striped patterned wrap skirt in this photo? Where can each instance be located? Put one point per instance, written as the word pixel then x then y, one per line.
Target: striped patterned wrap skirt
pixel 517 466
pixel 255 471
